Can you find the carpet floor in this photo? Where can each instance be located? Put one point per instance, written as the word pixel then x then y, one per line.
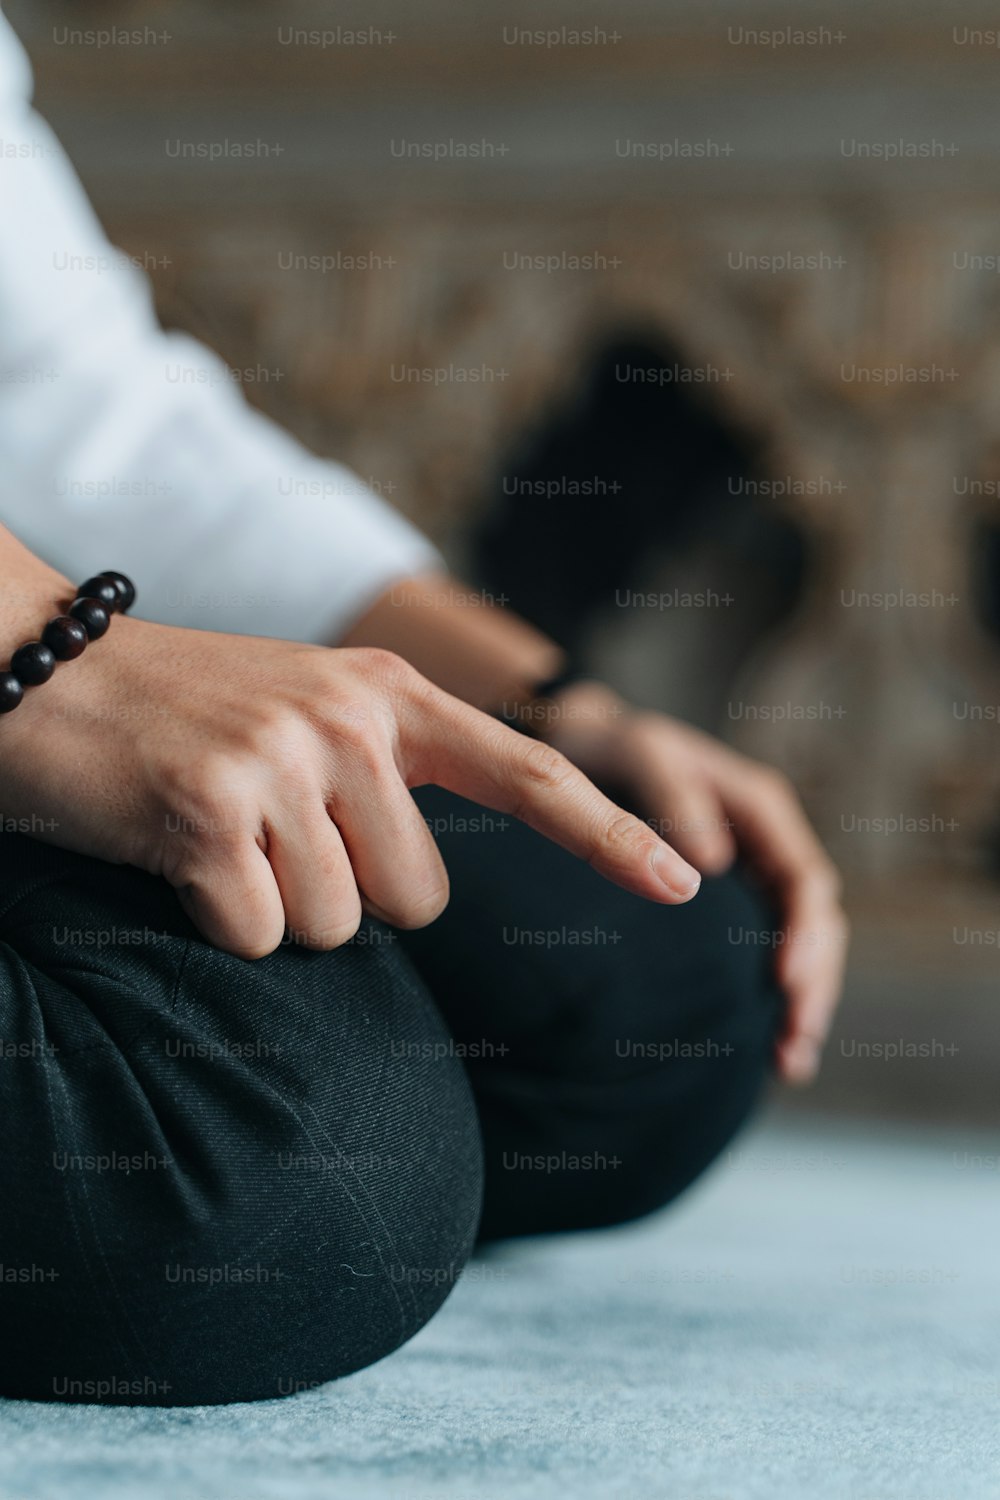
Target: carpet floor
pixel 818 1320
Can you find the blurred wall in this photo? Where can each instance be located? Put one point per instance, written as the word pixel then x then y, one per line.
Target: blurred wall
pixel 378 215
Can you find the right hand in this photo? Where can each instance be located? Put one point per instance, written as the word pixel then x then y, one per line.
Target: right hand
pixel 267 781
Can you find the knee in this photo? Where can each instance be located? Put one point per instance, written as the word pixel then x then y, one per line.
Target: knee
pixel 342 1181
pixel 687 1064
pixel 272 1180
pixel 669 1051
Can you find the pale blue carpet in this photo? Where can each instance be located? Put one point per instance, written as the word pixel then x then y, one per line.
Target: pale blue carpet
pixel 820 1318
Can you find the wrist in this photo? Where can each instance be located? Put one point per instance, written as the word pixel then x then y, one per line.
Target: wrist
pixel 583 720
pixel 34 595
pixel 61 646
pixel 465 642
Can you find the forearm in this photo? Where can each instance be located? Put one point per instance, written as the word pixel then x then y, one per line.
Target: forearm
pixel 478 651
pixel 120 440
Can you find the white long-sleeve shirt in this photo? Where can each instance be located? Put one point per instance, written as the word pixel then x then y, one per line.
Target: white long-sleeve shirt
pixel 122 446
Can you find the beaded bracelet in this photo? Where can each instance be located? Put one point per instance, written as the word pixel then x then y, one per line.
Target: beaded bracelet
pixel 66 636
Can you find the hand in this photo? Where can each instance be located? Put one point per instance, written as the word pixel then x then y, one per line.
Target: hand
pixel 267 782
pixel 712 804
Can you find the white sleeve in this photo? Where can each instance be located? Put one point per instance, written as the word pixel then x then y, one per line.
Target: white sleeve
pixel 122 446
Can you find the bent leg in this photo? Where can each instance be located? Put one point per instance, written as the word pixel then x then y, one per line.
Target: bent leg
pixel 614 1046
pixel 221 1180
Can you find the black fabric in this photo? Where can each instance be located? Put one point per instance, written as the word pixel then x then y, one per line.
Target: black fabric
pixel 225 1180
pixel 632 1032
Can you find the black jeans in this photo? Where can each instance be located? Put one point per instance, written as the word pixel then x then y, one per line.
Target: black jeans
pixel 225 1181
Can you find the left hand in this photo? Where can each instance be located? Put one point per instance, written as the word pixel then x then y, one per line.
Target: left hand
pixel 713 804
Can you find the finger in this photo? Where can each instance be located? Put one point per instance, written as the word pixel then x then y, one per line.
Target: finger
pixel 772 827
pixel 467 752
pixel 692 817
pixel 810 970
pixel 235 902
pixel 770 822
pixel 319 893
pixel 396 862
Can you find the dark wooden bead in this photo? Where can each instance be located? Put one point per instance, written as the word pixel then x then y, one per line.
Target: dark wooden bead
pixel 11 692
pixel 65 637
pixel 125 586
pixel 103 589
pixel 33 664
pixel 92 616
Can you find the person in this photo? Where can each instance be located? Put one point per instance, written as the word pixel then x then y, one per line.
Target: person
pixel 264 1085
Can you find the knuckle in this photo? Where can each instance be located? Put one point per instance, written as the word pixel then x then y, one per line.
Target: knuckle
pixel 281 745
pixel 199 781
pixel 422 909
pixel 208 803
pixel 343 931
pixel 385 668
pixel 239 936
pixel 422 695
pixel 360 739
pixel 544 767
pixel 281 735
pixel 334 933
pixel 623 834
pixel 357 739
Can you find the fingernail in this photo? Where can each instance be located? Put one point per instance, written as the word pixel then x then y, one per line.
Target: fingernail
pixel 680 878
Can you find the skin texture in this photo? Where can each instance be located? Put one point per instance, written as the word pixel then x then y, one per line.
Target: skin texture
pixel 268 781
pixel 713 805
